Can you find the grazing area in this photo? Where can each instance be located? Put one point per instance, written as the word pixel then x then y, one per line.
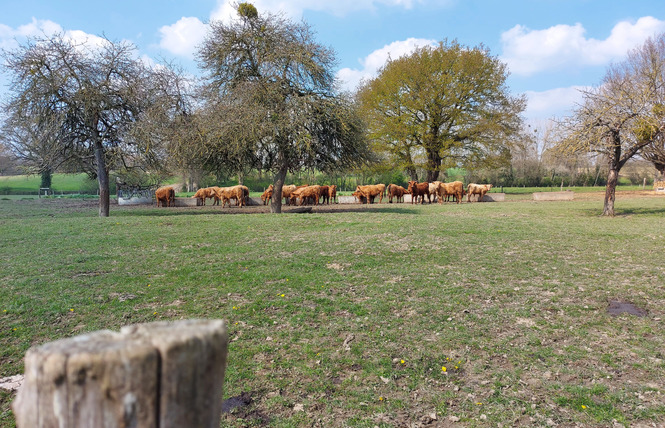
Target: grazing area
pixel 384 315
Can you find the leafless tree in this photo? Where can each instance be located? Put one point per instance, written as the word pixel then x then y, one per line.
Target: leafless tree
pixel 623 116
pixel 82 101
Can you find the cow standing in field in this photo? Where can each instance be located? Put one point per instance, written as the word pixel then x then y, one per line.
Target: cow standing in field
pixel 304 193
pixel 332 193
pixel 454 189
pixel 371 191
pixel 434 190
pixel 165 195
pixel 267 195
pixel 419 190
pixel 202 194
pixel 325 194
pixel 395 191
pixel 477 189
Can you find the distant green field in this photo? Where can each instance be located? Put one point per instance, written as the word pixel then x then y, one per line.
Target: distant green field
pixel 481 314
pixel 29 184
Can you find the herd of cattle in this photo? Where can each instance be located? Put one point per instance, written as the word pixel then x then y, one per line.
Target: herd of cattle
pixel 316 194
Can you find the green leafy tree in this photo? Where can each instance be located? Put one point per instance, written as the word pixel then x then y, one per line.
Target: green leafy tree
pixel 440 107
pixel 272 97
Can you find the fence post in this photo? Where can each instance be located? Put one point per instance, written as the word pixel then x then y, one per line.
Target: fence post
pixel 149 375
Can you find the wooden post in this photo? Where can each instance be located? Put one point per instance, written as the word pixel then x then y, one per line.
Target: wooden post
pixel 149 375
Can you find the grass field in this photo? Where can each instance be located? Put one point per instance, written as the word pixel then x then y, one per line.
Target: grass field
pixel 482 314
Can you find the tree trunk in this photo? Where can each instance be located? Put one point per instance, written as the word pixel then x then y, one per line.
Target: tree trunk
pixel 610 191
pixel 102 180
pixel 432 176
pixel 413 174
pixel 278 183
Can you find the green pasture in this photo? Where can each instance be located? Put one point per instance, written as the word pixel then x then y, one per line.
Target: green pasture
pixel 385 315
pixel 29 184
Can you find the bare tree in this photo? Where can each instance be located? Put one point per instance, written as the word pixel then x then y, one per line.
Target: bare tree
pixel 82 99
pixel 624 115
pixel 272 88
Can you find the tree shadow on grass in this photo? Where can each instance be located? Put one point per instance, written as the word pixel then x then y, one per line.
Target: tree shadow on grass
pixel 147 211
pixel 625 212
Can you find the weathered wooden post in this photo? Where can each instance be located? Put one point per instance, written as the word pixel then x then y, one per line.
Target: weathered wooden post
pixel 149 375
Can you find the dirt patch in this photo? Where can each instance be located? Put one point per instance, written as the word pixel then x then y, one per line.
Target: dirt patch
pixel 237 402
pixel 617 308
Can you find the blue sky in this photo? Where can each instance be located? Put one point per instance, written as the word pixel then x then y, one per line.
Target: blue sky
pixel 552 47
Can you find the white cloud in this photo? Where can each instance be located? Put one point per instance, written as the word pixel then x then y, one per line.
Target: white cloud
pixel 183 37
pixel 350 78
pixel 557 102
pixel 9 37
pixel 529 51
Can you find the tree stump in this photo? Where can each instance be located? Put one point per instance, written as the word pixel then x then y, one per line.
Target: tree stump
pixel 148 375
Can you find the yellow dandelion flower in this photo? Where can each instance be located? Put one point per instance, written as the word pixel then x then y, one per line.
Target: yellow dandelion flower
pixel 443 369
pixel 154 313
pixel 479 403
pixel 71 310
pixel 380 398
pixel 282 295
pixel 402 361
pixel 583 406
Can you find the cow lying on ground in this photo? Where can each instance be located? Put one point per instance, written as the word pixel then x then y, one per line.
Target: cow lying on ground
pixel 165 195
pixel 477 189
pixel 371 191
pixel 419 190
pixel 395 191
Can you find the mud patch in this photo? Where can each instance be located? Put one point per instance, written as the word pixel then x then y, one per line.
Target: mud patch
pixel 237 402
pixel 617 307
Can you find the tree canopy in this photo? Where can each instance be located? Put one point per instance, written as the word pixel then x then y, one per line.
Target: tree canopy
pixel 441 106
pixel 272 99
pixel 80 102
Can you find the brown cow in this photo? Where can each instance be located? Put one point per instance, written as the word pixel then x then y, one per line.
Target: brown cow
pixel 434 190
pixel 202 194
pixel 304 193
pixel 165 195
pixel 332 193
pixel 359 196
pixel 371 191
pixel 286 192
pixel 267 195
pixel 239 193
pixel 477 189
pixel 325 194
pixel 419 189
pixel 292 196
pixel 454 189
pixel 395 191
